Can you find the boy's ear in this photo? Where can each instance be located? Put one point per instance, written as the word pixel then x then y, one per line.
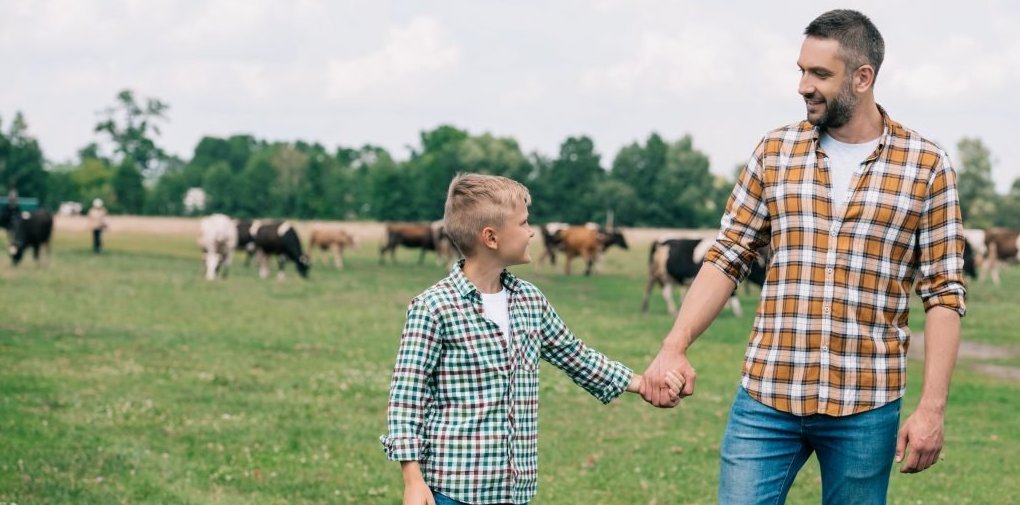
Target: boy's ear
pixel 489 237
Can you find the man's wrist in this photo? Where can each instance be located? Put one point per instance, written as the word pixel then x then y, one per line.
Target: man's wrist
pixel 677 341
pixel 937 407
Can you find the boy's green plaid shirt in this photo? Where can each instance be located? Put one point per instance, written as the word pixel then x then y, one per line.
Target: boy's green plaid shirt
pixel 464 399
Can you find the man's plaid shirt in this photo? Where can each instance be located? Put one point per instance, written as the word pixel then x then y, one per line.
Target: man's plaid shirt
pixel 830 335
pixel 464 400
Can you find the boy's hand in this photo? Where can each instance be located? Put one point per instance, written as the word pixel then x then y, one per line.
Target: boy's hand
pixel 674 386
pixel 418 493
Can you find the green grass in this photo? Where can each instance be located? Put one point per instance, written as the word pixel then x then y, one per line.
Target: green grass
pixel 125 378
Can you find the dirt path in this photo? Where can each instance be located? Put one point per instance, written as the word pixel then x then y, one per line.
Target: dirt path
pixel 973 353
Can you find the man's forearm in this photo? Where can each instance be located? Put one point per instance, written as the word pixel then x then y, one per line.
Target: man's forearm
pixel 701 305
pixel 941 343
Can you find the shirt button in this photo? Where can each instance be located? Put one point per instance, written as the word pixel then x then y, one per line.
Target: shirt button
pixel 825 348
pixel 828 271
pixel 825 309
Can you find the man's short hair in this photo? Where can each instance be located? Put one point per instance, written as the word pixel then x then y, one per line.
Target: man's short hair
pixel 475 201
pixel 859 40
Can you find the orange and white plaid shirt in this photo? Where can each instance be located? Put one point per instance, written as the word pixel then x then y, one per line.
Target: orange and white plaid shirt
pixel 830 335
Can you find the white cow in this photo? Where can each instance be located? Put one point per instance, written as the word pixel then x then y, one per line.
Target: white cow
pixel 218 241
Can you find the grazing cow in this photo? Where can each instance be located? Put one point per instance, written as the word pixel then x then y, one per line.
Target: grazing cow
pixel 426 236
pixel 588 243
pixel 330 238
pixel 218 240
pixel 676 262
pixel 552 239
pixel 1002 244
pixel 26 229
pixel 246 229
pixel 279 239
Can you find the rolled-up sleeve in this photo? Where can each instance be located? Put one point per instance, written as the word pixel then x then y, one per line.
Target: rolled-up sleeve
pixel 410 392
pixel 593 371
pixel 745 224
pixel 940 243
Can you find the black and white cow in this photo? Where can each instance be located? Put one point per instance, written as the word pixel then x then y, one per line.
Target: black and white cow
pixel 279 238
pixel 246 238
pixel 676 262
pixel 26 229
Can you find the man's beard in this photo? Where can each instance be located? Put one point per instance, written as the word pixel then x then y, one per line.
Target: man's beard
pixel 838 110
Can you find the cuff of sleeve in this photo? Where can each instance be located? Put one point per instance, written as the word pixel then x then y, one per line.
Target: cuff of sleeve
pixel 951 301
pixel 618 384
pixel 402 448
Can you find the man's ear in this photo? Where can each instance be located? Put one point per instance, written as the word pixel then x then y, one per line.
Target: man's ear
pixel 864 78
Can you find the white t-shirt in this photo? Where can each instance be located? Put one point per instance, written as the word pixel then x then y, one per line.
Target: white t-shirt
pixel 497 309
pixel 844 161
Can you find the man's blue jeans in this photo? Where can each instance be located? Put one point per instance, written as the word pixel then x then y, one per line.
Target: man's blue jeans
pixel 764 448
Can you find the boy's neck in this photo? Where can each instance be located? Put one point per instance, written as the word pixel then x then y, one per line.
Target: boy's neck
pixel 484 273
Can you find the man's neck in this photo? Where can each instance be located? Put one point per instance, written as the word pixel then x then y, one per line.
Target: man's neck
pixel 484 273
pixel 864 126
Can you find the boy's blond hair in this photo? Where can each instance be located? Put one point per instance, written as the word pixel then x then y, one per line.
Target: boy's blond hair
pixel 475 201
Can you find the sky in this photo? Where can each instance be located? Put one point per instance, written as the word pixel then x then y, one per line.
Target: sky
pixel 347 73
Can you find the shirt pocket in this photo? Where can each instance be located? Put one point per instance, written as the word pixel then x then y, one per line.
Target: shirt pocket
pixel 531 350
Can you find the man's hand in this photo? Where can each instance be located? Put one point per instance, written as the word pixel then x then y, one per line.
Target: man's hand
pixel 416 492
pixel 921 438
pixel 656 388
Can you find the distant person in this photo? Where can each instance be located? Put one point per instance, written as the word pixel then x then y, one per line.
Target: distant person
pixel 463 408
pixel 97 221
pixel 843 200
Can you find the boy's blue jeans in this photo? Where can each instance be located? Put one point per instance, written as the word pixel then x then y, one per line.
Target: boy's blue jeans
pixel 442 499
pixel 763 449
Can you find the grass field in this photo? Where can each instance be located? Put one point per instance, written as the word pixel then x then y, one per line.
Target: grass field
pixel 125 378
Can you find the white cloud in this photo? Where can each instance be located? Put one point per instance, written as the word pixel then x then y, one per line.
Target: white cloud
pixel 409 53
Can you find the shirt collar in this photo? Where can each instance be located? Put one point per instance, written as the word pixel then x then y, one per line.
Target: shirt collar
pixel 466 288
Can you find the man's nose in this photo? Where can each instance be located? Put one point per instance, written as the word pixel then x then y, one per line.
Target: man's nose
pixel 805 87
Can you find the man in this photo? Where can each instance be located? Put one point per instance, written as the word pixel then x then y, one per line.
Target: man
pixel 842 199
pixel 97 221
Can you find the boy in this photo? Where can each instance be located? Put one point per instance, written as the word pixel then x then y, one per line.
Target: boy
pixel 463 408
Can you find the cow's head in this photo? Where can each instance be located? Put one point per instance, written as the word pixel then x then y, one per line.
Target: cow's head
pixel 304 263
pixel 614 237
pixel 14 221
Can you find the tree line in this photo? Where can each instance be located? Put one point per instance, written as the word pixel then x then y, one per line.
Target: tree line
pixel 658 182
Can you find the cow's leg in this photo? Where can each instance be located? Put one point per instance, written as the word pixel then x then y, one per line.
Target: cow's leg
pixel 421 257
pixel 590 259
pixel 212 260
pixel 566 263
pixel 263 263
pixel 652 281
pixel 667 295
pixel 735 305
pixel 228 259
pixel 281 262
pixel 338 256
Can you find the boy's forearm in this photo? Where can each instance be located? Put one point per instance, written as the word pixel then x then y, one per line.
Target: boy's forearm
pixel 635 384
pixel 411 471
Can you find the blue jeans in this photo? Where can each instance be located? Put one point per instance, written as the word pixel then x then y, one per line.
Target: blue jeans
pixel 442 499
pixel 764 448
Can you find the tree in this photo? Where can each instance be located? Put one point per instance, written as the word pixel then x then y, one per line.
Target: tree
pixel 221 187
pixel 131 127
pixel 1008 214
pixel 128 188
pixel 572 179
pixel 975 184
pixel 21 161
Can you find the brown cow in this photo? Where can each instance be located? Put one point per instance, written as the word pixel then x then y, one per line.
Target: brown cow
pixel 587 243
pixel 427 236
pixel 324 237
pixel 1001 244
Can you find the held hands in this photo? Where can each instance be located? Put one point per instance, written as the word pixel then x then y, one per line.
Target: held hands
pixel 656 388
pixel 674 385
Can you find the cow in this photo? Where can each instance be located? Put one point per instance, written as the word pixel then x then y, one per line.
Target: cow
pixel 1002 244
pixel 588 243
pixel 330 238
pixel 26 229
pixel 246 238
pixel 676 262
pixel 426 236
pixel 218 239
pixel 279 238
